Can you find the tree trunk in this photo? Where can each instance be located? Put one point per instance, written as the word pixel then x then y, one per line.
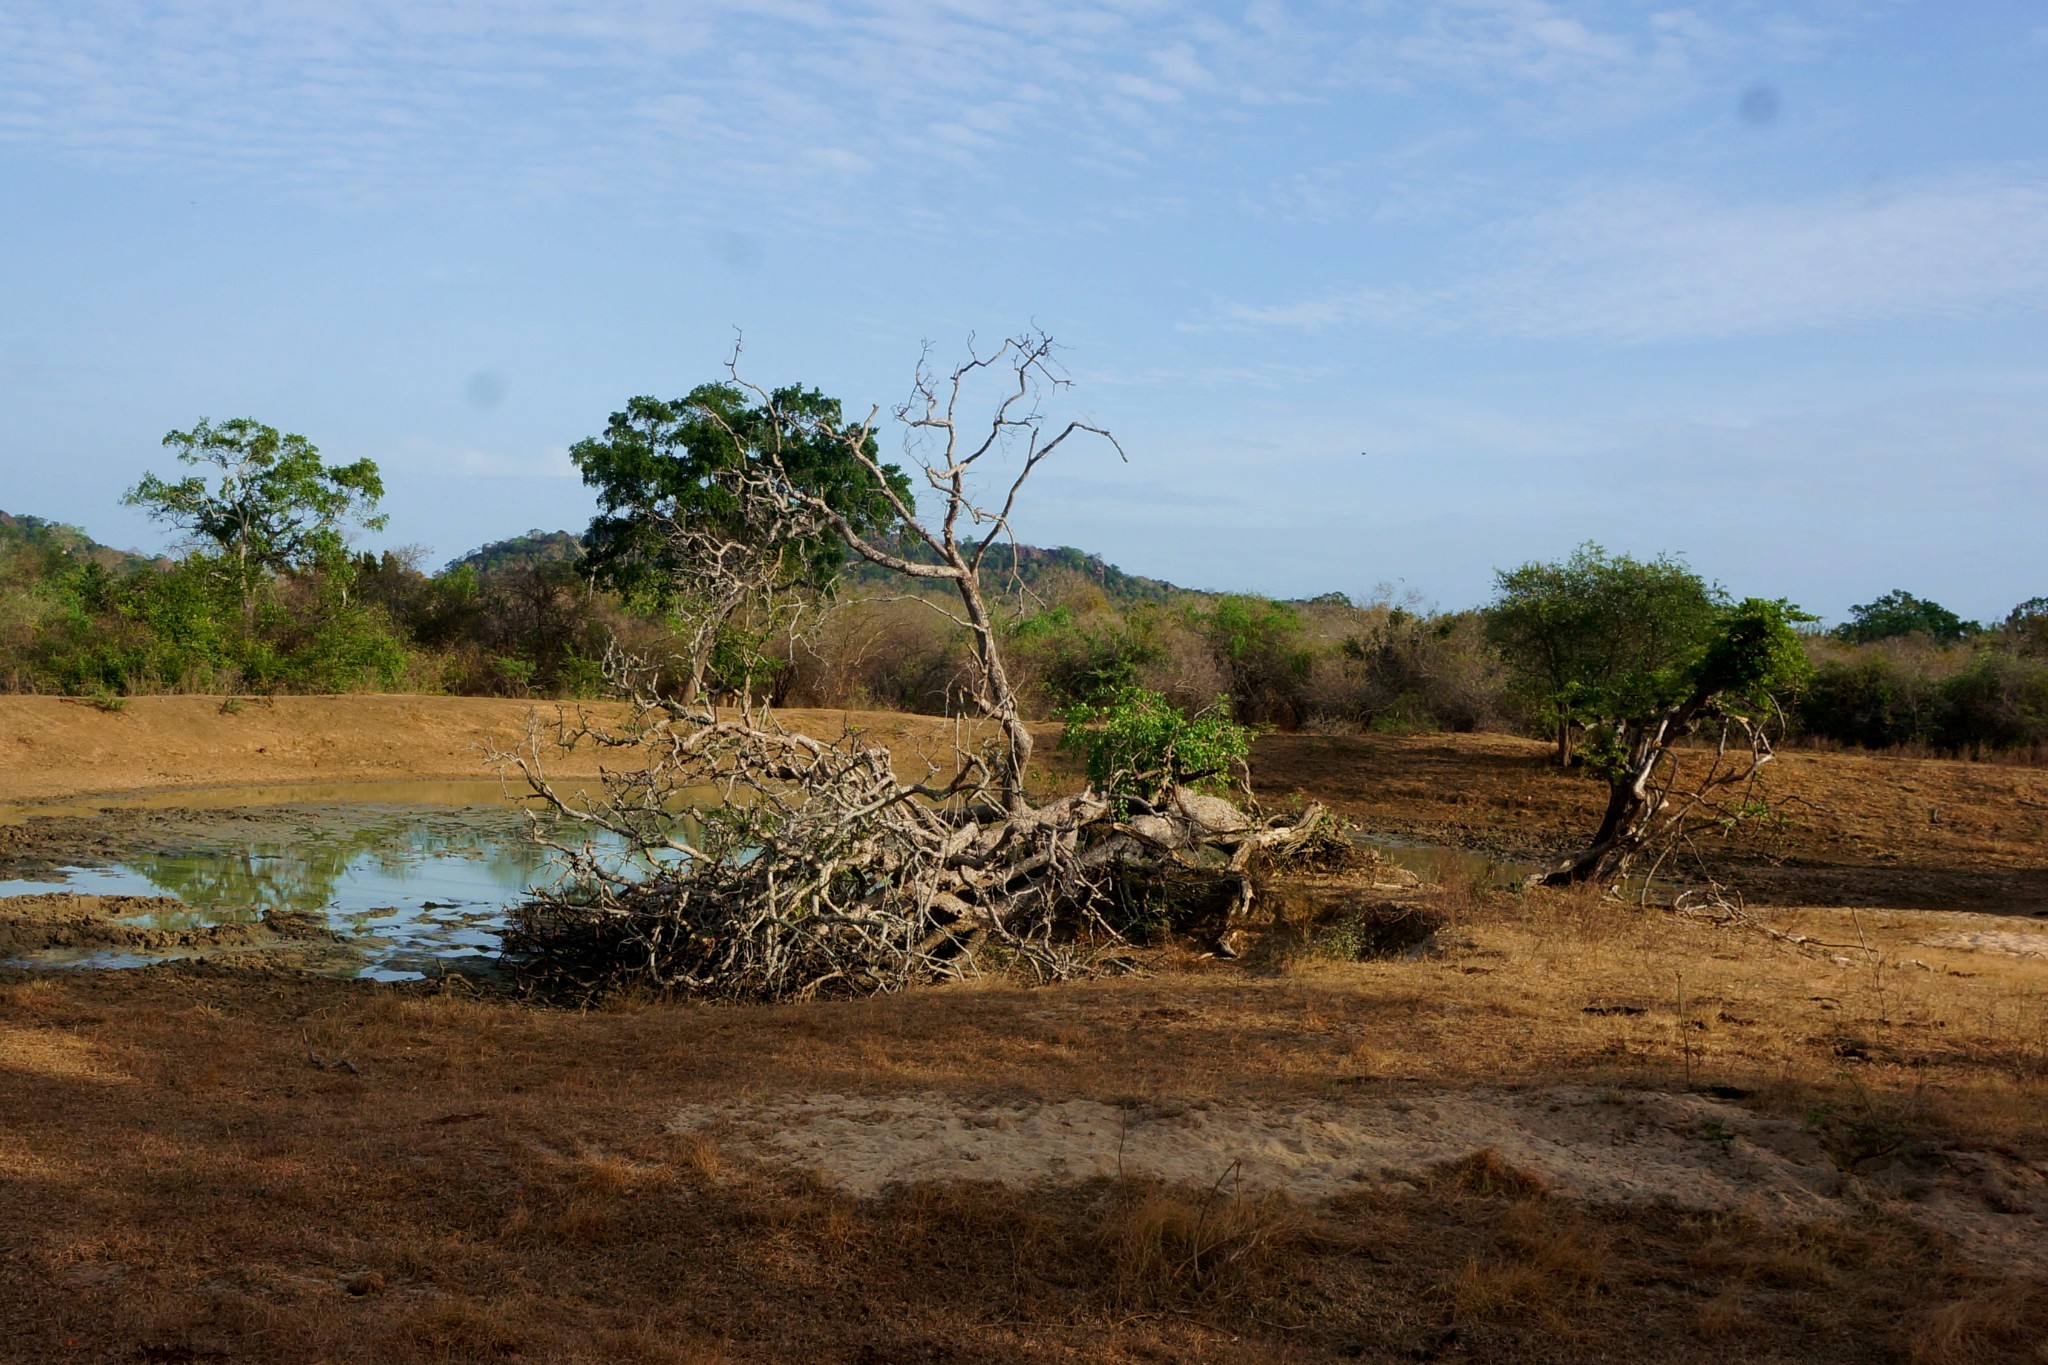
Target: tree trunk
pixel 1626 825
pixel 1620 835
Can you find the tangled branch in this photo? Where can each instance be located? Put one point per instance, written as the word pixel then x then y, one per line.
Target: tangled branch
pixel 736 859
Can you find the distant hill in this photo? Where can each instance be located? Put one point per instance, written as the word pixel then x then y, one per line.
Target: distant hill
pixel 1034 566
pixel 535 547
pixel 39 533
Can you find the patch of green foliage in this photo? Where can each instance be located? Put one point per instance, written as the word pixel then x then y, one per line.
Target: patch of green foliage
pixel 1749 665
pixel 1138 744
pixel 665 463
pixel 1259 643
pixel 1086 662
pixel 1598 636
pixel 1899 613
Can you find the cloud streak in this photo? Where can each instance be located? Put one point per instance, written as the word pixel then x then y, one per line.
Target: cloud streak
pixel 1656 263
pixel 541 96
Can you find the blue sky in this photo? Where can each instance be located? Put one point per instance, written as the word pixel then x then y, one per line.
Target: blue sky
pixel 1372 293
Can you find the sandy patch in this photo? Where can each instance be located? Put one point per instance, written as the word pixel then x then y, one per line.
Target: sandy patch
pixel 1683 1150
pixel 2004 941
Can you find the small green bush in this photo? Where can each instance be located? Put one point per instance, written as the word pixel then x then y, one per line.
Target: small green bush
pixel 1141 745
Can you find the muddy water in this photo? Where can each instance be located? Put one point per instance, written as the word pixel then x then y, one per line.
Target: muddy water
pixel 412 877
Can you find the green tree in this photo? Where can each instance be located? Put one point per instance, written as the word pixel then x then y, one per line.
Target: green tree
pixel 662 463
pixel 1736 682
pixel 1599 636
pixel 673 477
pixel 272 505
pixel 1900 613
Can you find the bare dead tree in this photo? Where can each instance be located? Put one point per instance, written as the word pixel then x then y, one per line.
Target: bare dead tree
pixel 951 448
pixel 735 566
pixel 732 857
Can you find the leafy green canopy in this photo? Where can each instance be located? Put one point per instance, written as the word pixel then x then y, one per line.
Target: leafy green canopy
pixel 1749 663
pixel 275 505
pixel 1899 613
pixel 662 464
pixel 1599 636
pixel 1138 744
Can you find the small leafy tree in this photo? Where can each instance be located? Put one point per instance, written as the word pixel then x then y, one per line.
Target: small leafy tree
pixel 1730 691
pixel 682 528
pixel 1899 613
pixel 272 505
pixel 1598 635
pixel 1138 745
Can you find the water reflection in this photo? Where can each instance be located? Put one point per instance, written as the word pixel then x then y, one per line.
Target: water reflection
pixel 408 888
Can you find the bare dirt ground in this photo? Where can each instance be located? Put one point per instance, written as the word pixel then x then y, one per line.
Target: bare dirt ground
pixel 1560 1130
pixel 1854 829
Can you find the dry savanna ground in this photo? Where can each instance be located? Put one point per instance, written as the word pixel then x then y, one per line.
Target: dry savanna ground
pixel 1560 1129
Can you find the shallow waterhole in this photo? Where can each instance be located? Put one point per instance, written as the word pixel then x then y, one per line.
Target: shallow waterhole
pixel 413 877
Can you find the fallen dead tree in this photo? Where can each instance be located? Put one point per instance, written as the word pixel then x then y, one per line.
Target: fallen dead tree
pixel 729 857
pixel 738 859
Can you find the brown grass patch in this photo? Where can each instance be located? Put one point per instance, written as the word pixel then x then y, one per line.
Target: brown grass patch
pixel 178 1181
pixel 1997 1322
pixel 1172 1246
pixel 1487 1175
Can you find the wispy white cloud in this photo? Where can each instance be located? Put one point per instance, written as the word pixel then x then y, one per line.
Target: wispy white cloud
pixel 541 95
pixel 1563 64
pixel 552 91
pixel 1657 263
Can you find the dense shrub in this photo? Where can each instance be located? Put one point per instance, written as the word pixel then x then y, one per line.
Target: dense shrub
pixel 1914 693
pixel 1405 673
pixel 1998 702
pixel 1258 644
pixel 1136 744
pixel 1871 701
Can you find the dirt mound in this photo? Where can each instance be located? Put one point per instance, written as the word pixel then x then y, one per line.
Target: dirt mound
pixel 1602 1147
pixel 159 926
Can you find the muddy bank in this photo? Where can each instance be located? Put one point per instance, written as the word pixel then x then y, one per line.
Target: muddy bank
pixel 42 845
pixel 60 928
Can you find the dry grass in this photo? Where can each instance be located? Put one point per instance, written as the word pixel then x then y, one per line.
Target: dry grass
pixel 1997 1322
pixel 495 1179
pixel 179 1183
